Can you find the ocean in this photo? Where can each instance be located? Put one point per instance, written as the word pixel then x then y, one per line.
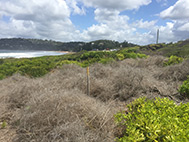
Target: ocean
pixel 27 54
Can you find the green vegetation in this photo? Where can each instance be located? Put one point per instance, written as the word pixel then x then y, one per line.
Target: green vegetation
pixel 180 49
pixel 173 60
pixel 37 67
pixel 3 125
pixel 154 121
pixel 184 88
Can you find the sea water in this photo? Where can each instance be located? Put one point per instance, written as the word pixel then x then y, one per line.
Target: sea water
pixel 27 54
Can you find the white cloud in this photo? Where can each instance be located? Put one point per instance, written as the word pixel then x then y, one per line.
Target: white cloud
pixel 116 4
pixel 144 24
pixel 105 15
pixel 114 26
pixel 35 10
pixel 73 4
pixel 179 11
pixel 38 19
pixel 184 27
pixel 179 14
pixel 18 28
pixel 51 20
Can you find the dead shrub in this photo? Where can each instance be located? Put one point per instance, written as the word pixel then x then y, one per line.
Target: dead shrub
pixel 102 89
pixel 68 77
pixel 21 93
pixel 145 62
pixel 178 72
pixel 127 82
pixel 10 99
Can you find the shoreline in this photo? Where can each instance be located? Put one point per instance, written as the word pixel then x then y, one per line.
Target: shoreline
pixel 32 54
pixel 67 52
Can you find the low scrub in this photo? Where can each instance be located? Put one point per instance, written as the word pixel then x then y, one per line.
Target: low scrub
pixel 158 120
pixel 37 67
pixel 55 107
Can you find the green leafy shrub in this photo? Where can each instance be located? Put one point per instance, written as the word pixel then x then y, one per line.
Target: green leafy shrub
pixel 60 63
pixel 173 60
pixel 33 71
pixel 184 88
pixel 159 120
pixel 139 55
pixel 120 56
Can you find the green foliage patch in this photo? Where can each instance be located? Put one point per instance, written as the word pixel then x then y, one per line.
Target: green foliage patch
pixel 173 60
pixel 159 120
pixel 184 88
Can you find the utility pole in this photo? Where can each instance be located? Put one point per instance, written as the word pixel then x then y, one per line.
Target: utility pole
pixel 157 37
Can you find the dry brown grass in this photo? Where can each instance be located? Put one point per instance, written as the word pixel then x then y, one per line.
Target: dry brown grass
pixel 178 72
pixel 55 108
pixel 66 116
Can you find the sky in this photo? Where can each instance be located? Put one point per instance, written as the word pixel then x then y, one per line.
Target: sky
pixel 135 21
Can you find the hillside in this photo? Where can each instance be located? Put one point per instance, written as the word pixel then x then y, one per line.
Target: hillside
pixel 38 44
pixel 180 49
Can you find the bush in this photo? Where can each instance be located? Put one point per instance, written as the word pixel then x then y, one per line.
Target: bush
pixel 173 60
pixel 139 55
pixel 33 71
pixel 159 120
pixel 184 88
pixel 106 60
pixel 60 63
pixel 120 56
pixel 1 76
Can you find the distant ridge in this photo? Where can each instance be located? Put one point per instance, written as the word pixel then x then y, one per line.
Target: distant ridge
pixel 49 45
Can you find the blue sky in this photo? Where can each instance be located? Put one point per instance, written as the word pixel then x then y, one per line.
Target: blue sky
pixel 135 21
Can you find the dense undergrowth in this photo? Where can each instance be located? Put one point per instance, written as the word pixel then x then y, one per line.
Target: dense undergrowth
pixel 55 107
